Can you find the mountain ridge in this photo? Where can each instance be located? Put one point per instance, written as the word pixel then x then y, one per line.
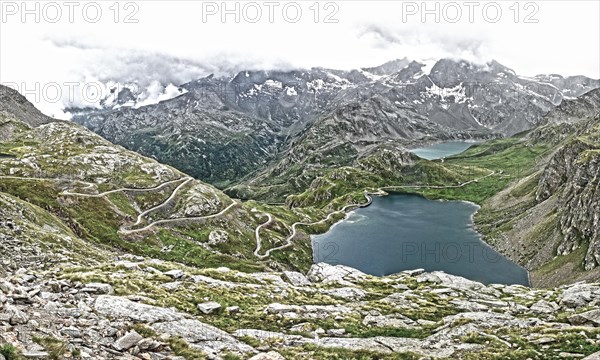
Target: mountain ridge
pixel 261 114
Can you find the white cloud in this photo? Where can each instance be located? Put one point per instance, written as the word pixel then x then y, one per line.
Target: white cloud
pixel 171 44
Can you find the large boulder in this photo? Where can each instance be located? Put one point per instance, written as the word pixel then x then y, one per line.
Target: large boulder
pixel 202 336
pixel 209 307
pixel 348 293
pixel 578 295
pixel 589 317
pixel 451 281
pixel 326 273
pixel 544 307
pixel 127 341
pixel 98 288
pixel 296 278
pixel 118 307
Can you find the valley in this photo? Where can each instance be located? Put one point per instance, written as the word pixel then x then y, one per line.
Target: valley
pixel 337 180
pixel 192 271
pixel 257 129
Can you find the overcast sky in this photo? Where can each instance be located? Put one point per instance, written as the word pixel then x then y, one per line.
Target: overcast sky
pixel 156 43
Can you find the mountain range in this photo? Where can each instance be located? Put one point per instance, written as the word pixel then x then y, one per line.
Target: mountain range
pixel 228 130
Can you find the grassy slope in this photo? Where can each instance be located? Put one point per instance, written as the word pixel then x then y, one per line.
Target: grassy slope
pixel 97 220
pixel 510 159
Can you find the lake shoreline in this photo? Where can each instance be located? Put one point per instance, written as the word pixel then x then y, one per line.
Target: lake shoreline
pixel 472 226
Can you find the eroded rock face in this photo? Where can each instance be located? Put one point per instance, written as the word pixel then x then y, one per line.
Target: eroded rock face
pixel 572 176
pixel 217 237
pixel 296 278
pixel 589 317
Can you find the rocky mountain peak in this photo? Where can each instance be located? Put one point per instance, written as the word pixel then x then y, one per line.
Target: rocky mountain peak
pixel 389 67
pixel 447 73
pixel 122 97
pixel 410 72
pixel 15 105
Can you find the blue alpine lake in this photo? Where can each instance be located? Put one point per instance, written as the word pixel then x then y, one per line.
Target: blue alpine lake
pixel 442 150
pixel 405 232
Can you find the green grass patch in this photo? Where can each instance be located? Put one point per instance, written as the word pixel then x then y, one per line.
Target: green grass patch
pixel 10 352
pixel 56 348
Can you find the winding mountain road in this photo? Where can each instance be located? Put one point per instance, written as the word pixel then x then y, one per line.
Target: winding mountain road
pixel 288 241
pixel 162 204
pixel 170 221
pixel 127 229
pixel 158 187
pixel 257 233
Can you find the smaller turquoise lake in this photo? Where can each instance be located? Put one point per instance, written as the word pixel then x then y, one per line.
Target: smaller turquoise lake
pixel 442 150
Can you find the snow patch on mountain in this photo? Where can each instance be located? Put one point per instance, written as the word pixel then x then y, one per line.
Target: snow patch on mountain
pixel 273 84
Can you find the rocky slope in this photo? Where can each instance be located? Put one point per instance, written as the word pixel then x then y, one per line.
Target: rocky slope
pixel 547 220
pixel 15 104
pixel 572 175
pixel 572 111
pixel 111 196
pixel 136 308
pixel 253 123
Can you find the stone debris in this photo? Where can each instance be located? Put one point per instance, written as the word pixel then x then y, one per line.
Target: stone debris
pixel 89 319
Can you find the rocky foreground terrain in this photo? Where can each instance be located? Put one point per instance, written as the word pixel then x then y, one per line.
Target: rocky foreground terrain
pixel 136 308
